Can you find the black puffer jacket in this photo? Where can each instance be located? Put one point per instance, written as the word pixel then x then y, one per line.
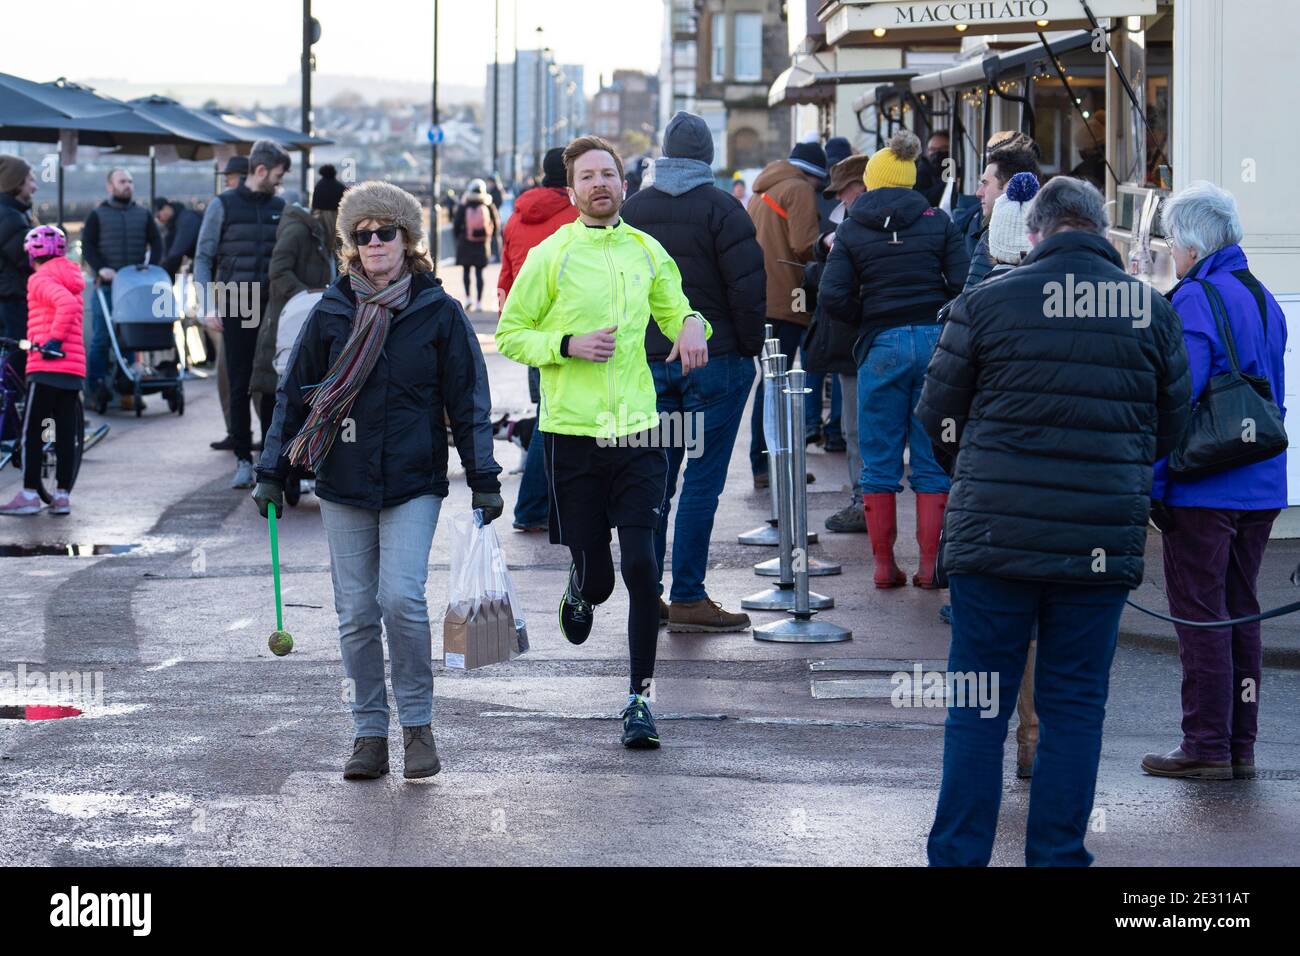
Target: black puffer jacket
pixel 711 238
pixel 15 222
pixel 896 261
pixel 1058 419
pixel 430 365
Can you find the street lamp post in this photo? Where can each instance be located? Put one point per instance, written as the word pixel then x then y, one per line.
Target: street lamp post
pixel 514 104
pixel 434 231
pixel 496 84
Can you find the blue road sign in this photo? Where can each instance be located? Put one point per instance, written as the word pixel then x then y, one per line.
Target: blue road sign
pixel 436 134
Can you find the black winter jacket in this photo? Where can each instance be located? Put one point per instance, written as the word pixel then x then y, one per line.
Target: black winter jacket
pixel 431 365
pixel 15 222
pixel 896 261
pixel 711 238
pixel 1055 420
pixel 119 234
pixel 182 238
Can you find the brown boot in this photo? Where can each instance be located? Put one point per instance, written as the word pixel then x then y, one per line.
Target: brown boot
pixel 880 511
pixel 704 617
pixel 929 522
pixel 1178 764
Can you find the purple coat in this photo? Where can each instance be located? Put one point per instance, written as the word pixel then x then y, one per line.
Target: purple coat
pixel 1257 487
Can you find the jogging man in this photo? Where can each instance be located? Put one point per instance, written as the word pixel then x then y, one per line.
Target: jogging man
pixel 578 310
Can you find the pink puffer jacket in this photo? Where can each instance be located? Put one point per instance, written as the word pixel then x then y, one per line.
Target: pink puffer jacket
pixel 54 312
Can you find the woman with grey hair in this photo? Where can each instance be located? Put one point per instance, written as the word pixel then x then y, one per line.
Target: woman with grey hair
pixel 1215 528
pixel 386 359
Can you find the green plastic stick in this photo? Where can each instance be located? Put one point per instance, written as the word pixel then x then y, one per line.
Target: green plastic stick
pixel 275 565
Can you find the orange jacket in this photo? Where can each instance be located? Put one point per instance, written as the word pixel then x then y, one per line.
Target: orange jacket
pixel 784 210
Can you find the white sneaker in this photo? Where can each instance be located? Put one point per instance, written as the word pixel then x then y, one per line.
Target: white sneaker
pixel 61 503
pixel 244 475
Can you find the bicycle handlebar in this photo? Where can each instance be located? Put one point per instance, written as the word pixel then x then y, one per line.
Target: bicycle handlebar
pixel 28 346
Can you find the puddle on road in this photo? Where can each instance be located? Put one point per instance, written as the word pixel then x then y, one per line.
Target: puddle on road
pixel 63 550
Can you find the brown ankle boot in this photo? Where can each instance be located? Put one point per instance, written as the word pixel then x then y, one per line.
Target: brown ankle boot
pixel 881 515
pixel 929 522
pixel 704 617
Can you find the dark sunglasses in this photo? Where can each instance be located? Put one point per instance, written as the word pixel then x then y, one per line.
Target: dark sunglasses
pixel 385 234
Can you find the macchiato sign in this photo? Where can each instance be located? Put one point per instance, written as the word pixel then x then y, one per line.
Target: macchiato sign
pixel 972 16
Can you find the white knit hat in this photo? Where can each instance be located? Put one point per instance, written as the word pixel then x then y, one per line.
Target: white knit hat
pixel 1008 237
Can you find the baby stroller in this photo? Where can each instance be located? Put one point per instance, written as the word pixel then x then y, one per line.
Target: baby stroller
pixel 292 318
pixel 142 319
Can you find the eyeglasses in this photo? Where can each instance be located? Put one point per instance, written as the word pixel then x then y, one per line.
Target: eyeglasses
pixel 385 234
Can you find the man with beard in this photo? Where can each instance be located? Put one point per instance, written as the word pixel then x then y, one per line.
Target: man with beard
pixel 118 233
pixel 578 310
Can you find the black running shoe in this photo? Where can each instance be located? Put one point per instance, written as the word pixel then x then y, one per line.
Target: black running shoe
pixel 639 730
pixel 575 613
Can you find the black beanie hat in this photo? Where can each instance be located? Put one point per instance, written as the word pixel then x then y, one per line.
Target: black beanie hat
pixel 553 168
pixel 811 158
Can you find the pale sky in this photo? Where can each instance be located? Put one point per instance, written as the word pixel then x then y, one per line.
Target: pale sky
pixel 199 41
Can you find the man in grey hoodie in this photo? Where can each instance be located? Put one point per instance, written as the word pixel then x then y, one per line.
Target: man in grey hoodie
pixel 712 240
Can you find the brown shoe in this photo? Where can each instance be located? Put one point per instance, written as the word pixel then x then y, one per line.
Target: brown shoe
pixel 761 481
pixel 1178 764
pixel 1243 771
pixel 704 617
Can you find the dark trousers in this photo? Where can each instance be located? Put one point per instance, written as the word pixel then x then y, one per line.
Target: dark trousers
pixel 790 335
pixel 593 574
pixel 1212 559
pixel 241 343
pixel 51 415
pixel 477 272
pixel 992 623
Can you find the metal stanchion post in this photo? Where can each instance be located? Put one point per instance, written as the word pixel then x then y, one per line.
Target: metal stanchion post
pixel 781 597
pixel 800 627
pixel 767 535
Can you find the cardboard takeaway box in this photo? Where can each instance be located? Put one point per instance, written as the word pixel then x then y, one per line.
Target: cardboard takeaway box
pixel 477 638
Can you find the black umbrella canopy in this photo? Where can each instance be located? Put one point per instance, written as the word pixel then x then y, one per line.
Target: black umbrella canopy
pixel 180 120
pixel 251 130
pixel 37 112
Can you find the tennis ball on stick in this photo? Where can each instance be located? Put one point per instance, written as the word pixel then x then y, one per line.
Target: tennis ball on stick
pixel 280 643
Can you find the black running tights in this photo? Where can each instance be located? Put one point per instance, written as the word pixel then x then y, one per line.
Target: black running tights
pixel 594 575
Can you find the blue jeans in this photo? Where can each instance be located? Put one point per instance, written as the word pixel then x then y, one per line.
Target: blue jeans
pixel 812 416
pixel 889 386
pixel 992 623
pixel 711 401
pixel 531 507
pixel 97 367
pixel 379 563
pixel 790 335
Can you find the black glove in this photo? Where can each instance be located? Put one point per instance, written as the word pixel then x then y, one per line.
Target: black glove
pixel 490 503
pixel 53 348
pixel 1161 517
pixel 266 493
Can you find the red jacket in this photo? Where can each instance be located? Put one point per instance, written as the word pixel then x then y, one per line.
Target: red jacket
pixel 538 213
pixel 54 311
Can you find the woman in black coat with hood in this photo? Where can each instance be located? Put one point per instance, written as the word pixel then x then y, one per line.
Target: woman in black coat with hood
pixel 896 261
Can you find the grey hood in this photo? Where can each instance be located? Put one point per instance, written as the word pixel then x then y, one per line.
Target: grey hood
pixel 677 176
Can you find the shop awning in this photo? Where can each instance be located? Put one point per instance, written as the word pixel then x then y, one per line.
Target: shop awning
pixel 975 72
pixel 880 23
pixel 797 83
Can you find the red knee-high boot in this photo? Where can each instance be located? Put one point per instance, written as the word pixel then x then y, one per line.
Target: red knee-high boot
pixel 882 528
pixel 929 522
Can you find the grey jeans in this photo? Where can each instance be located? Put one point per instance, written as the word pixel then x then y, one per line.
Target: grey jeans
pixel 379 563
pixel 849 427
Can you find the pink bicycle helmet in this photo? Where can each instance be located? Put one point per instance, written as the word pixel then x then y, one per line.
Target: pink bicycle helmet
pixel 45 241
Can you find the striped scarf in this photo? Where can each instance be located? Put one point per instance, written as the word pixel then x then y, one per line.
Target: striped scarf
pixel 331 398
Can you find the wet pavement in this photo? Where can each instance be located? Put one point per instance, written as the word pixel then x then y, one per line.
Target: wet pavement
pixel 201 747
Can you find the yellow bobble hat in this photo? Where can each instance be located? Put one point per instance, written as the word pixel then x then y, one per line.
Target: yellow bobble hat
pixel 895 165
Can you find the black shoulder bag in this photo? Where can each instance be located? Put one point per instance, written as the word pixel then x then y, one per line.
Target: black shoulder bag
pixel 1235 422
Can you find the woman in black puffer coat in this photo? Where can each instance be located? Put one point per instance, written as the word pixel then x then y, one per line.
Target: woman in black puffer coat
pixel 895 262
